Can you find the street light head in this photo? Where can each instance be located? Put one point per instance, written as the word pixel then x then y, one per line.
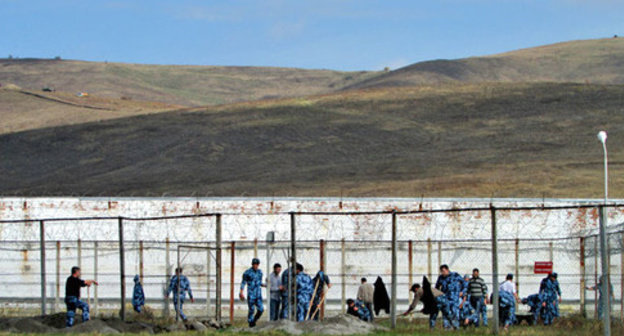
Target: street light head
pixel 602 136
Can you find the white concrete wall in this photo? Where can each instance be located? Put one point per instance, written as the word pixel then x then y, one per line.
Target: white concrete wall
pixel 247 219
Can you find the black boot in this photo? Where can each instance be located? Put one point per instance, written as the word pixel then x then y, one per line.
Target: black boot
pixel 257 317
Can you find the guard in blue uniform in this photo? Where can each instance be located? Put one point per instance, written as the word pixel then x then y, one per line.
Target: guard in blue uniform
pixel 465 308
pixel 305 288
pixel 451 284
pixel 322 280
pixel 359 310
pixel 252 278
pixel 507 306
pixel 179 292
pixel 138 296
pixel 442 307
pixel 534 301
pixel 285 290
pixel 72 296
pixel 550 292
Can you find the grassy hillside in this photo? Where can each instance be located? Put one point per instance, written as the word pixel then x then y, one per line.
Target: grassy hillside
pixel 22 110
pixel 485 140
pixel 588 61
pixel 175 84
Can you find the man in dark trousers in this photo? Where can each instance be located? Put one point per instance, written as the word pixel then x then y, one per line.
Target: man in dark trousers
pixel 72 296
pixel 477 291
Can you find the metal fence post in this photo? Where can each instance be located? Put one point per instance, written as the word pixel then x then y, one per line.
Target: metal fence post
pixel 429 266
pixel 141 261
pixel 122 271
pixel 208 257
pixel 79 247
pixel 622 280
pixel 292 304
pixel 178 273
pixel 57 298
pixel 218 269
pixel 582 272
pixel 596 276
pixel 42 255
pixel 410 273
pixel 604 258
pixel 95 277
pixel 495 298
pixel 393 289
pixel 255 247
pixel 322 268
pixel 343 277
pixel 232 266
pixel 439 254
pixel 167 276
pixel 517 266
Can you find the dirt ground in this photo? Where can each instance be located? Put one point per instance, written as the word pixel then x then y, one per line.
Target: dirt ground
pixel 336 325
pixel 55 323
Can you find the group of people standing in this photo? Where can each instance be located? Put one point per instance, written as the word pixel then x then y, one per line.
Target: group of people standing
pixel 459 299
pixel 310 292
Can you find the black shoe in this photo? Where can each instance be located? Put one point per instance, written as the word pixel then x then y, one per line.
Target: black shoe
pixel 252 324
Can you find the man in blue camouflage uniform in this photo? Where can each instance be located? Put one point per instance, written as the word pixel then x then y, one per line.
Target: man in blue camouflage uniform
pixel 252 278
pixel 550 292
pixel 507 306
pixel 358 309
pixel 179 285
pixel 305 288
pixel 451 284
pixel 285 291
pixel 534 301
pixel 441 305
pixel 321 279
pixel 465 308
pixel 138 296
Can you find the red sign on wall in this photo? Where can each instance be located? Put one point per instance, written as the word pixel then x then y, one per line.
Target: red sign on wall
pixel 543 267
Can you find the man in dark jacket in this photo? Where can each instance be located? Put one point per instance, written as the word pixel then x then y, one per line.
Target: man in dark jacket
pixel 381 300
pixel 72 296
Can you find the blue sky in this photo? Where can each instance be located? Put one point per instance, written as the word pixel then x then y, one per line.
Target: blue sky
pixel 338 34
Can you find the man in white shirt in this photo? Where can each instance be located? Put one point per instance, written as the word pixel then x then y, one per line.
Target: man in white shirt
pixel 275 292
pixel 509 286
pixel 507 301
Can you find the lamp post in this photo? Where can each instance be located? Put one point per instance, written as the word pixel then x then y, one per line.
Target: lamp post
pixel 602 137
pixel 604 259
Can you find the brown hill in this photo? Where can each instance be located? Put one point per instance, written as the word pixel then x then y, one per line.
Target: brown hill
pixel 587 61
pixel 22 110
pixel 533 140
pixel 174 84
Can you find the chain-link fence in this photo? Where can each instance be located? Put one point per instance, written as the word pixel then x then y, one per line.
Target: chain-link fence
pixel 398 245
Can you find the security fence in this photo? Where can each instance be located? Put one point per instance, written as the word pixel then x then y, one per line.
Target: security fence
pixel 398 245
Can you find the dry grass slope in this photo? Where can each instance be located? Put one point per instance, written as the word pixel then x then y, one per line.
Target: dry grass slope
pixel 513 139
pixel 174 84
pixel 588 61
pixel 23 110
